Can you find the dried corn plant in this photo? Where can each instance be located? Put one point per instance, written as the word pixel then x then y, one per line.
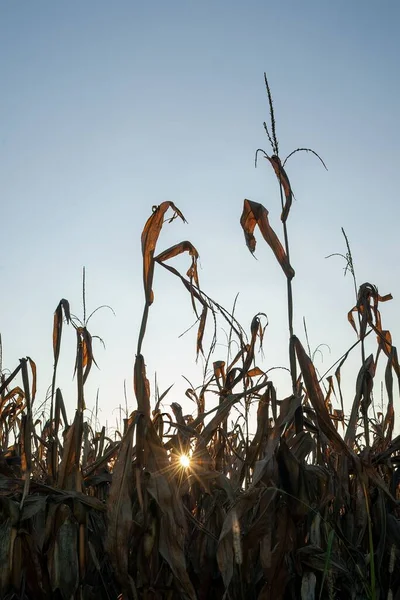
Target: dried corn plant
pixel 193 506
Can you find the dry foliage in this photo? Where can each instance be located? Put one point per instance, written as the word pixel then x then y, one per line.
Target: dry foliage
pixel 307 507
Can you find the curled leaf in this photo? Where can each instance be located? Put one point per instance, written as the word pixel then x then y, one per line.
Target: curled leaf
pixel 150 234
pixel 284 181
pixel 256 214
pixel 180 249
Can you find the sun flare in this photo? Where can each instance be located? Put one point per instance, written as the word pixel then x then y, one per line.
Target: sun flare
pixel 184 461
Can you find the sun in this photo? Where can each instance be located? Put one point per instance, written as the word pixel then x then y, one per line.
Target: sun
pixel 184 461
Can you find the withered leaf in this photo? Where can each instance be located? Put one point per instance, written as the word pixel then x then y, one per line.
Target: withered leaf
pixel 201 329
pixel 363 385
pixel 62 308
pixel 256 214
pixel 284 180
pixel 317 399
pixel 68 472
pixel 180 249
pixel 150 234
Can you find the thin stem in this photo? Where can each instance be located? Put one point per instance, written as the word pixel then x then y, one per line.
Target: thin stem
pixel 84 294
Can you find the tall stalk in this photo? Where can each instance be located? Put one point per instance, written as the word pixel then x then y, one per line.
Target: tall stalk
pixel 277 165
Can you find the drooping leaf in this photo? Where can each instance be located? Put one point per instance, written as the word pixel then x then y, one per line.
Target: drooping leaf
pixel 69 469
pixel 317 400
pixel 256 214
pixel 26 453
pixel 363 393
pixel 284 180
pixel 150 234
pixel 62 309
pixel 180 249
pixel 201 329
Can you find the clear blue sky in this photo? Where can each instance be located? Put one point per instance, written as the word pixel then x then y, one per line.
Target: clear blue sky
pixel 108 108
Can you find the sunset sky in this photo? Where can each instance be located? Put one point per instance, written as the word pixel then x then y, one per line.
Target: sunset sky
pixel 108 108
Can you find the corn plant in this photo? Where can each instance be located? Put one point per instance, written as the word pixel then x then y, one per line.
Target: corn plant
pixel 193 506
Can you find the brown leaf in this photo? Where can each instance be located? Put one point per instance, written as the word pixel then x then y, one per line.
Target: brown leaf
pixel 363 390
pixel 26 452
pixel 367 307
pixel 34 378
pixel 221 414
pixel 84 341
pixel 288 408
pixel 200 331
pixel 284 180
pixel 9 379
pixel 69 469
pixel 255 372
pixel 317 400
pixel 385 342
pixel 63 307
pixel 150 234
pixel 180 249
pixel 262 425
pixel 195 293
pixel 389 417
pixel 256 214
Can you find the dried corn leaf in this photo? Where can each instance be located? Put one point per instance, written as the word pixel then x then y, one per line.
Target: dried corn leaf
pixel 34 379
pixel 286 416
pixel 255 372
pixel 180 249
pixel 150 234
pixel 195 293
pixel 256 214
pixel 69 469
pixel 62 309
pixel 367 309
pixel 317 400
pixel 363 391
pixel 4 385
pixel 201 329
pixel 84 352
pixel 284 180
pixel 26 452
pixel 221 414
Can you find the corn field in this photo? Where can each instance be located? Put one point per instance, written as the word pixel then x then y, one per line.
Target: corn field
pixel 193 506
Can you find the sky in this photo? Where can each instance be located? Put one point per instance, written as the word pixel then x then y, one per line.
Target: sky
pixel 110 108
